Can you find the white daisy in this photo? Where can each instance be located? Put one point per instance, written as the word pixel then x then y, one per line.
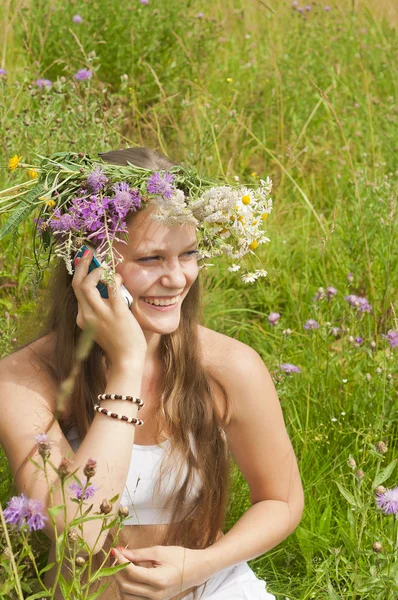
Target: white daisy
pixel 261 273
pixel 249 277
pixel 233 268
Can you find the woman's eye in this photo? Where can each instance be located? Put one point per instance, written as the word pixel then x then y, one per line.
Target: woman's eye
pixel 148 258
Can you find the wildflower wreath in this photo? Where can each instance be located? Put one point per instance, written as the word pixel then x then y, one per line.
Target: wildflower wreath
pixel 80 199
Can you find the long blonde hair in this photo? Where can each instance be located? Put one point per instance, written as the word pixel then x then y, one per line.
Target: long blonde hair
pixel 187 403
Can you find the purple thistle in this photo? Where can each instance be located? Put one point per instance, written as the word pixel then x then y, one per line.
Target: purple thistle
pixel 3 72
pixel 359 340
pixel 161 184
pixel 361 304
pixel 295 3
pixel 273 318
pixel 78 489
pixel 392 337
pixel 388 501
pixel 335 331
pixel 43 83
pixel 77 19
pixel 307 7
pixel 21 510
pixel 64 223
pixel 331 291
pixel 300 9
pixel 144 1
pixel 289 368
pixel 311 324
pixel 41 438
pixel 97 179
pixel 327 8
pixel 83 74
pixel 125 199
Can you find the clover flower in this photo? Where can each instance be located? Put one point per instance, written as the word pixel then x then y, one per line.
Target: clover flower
pixel 273 318
pixel 392 337
pixel 83 74
pixel 289 368
pixel 388 501
pixel 21 510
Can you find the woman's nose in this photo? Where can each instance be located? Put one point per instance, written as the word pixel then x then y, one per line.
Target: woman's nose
pixel 174 275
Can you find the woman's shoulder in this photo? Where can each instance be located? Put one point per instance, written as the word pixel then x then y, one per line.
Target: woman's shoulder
pixel 218 348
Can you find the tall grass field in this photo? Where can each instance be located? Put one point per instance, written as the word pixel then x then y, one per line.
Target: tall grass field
pixel 304 94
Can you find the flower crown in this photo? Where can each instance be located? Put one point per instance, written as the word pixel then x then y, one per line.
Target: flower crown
pixel 85 200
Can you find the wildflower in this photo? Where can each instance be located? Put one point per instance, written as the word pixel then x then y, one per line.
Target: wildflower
pixel 368 376
pixel 319 295
pixel 361 304
pixel 144 1
pixel 64 468
pixel 300 9
pixel 3 72
pixel 359 341
pixel 43 445
pixel 22 510
pixel 123 511
pixel 331 291
pixel 105 507
pixel 261 273
pixel 388 501
pixel 41 83
pixel 80 561
pixel 373 345
pixel 126 199
pixel 97 179
pixel 381 447
pixel 161 184
pixel 294 4
pixel 350 277
pixel 289 368
pixel 377 547
pixel 32 173
pixel 327 8
pixel 351 463
pixel 14 162
pixel 83 74
pixel 249 277
pixel 307 7
pixel 392 337
pixel 335 331
pixel 287 331
pixel 273 318
pixel 233 268
pixel 77 19
pixel 229 80
pixel 311 324
pixel 380 489
pixel 200 15
pixel 73 535
pixel 78 489
pixel 360 474
pixel 90 468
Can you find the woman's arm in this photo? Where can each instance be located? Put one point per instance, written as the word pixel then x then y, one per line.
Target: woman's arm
pixel 260 445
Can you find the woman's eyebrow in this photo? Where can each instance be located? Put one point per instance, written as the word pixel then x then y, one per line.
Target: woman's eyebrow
pixel 164 249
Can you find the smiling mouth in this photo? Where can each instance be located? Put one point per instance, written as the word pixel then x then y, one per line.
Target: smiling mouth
pixel 161 301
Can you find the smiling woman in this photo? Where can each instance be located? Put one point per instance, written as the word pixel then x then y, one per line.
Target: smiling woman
pixel 205 395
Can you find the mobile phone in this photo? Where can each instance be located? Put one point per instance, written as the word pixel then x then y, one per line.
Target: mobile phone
pixel 101 287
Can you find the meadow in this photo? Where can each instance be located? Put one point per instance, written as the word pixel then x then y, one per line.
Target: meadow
pixel 305 94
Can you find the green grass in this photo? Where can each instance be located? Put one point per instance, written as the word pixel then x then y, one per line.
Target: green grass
pixel 313 104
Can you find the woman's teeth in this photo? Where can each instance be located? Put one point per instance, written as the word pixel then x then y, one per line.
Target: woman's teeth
pixel 157 302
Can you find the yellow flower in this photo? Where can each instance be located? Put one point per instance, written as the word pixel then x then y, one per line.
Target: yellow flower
pixel 32 173
pixel 232 217
pixel 229 80
pixel 264 216
pixel 246 199
pixel 47 201
pixel 254 174
pixel 254 244
pixel 255 222
pixel 242 219
pixel 14 162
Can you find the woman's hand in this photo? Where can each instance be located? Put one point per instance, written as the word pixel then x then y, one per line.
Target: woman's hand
pixel 175 569
pixel 116 329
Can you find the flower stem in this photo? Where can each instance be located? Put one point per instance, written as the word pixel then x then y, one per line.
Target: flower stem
pixel 14 566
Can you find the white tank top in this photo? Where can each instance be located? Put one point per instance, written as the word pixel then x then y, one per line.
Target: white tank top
pixel 138 494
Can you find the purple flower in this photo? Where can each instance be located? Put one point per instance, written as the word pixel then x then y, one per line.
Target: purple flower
pixel 43 83
pixel 350 277
pixel 161 184
pixel 388 501
pixel 300 9
pixel 64 223
pixel 327 8
pixel 125 199
pixel 273 318
pixel 83 74
pixel 392 337
pixel 144 1
pixel 289 368
pixel 331 291
pixel 21 510
pixel 41 438
pixel 359 340
pixel 311 324
pixel 335 331
pixel 77 19
pixel 97 179
pixel 361 304
pixel 307 7
pixel 3 72
pixel 294 4
pixel 78 489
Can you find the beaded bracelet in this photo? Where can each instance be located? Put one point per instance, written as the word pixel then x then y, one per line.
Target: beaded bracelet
pixel 120 397
pixel 109 413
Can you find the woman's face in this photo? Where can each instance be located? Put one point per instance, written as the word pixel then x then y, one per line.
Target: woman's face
pixel 159 265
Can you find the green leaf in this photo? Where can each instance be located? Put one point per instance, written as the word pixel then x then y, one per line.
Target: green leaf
pixel 46 568
pixel 332 594
pixel 384 474
pixel 55 510
pixel 108 571
pixel 324 521
pixel 41 594
pixel 25 207
pixel 347 495
pixel 64 586
pixel 99 591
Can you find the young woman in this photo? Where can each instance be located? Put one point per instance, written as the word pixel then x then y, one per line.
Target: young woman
pixel 207 396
